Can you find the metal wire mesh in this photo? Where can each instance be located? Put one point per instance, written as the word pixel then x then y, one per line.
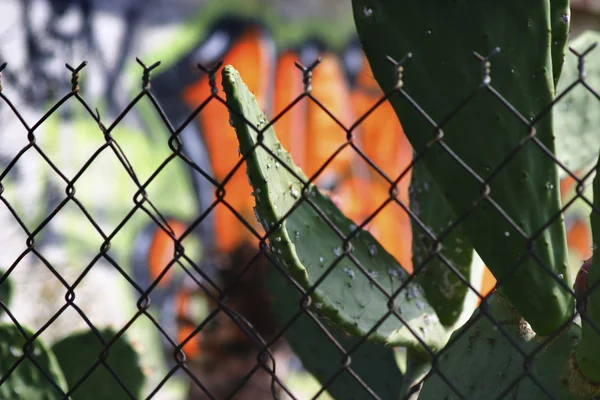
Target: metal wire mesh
pixel 247 313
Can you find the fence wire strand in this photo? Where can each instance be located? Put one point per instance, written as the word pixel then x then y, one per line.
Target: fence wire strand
pixel 217 291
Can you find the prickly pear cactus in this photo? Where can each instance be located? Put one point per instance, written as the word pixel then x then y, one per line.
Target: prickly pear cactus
pixel 306 245
pixel 588 351
pixel 37 375
pixel 560 19
pixel 321 356
pixel 80 352
pixel 499 360
pixel 484 134
pixel 441 278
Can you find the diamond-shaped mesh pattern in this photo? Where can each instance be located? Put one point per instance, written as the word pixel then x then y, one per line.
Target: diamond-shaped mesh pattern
pixel 238 348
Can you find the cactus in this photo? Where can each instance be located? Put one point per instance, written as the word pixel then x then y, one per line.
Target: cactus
pixel 512 325
pixel 444 289
pixel 560 20
pixel 321 356
pixel 499 359
pixel 81 352
pixel 346 297
pixel 588 352
pixel 36 374
pixel 484 133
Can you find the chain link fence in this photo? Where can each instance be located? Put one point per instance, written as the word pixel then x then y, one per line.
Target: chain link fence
pixel 239 349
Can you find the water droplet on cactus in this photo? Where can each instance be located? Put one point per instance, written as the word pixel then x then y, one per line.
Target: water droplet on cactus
pixel 507 234
pixel 268 166
pixel 276 164
pixel 352 227
pixel 565 18
pixel 368 11
pixel 561 276
pixel 297 234
pixel 512 70
pixel 373 274
pixel 294 193
pixel 279 251
pixel 487 79
pixel 321 260
pixel 529 24
pixel 349 272
pixel 429 32
pixel 411 293
pixel 372 250
pixel 337 251
pixel 278 239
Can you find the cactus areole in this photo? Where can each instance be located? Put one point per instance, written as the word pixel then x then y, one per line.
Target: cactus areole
pixel 482 155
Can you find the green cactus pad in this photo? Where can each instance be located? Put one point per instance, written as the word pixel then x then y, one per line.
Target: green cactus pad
pixel 442 73
pixel 484 364
pixel 588 351
pixel 78 353
pixel 374 363
pixel 27 381
pixel 444 290
pixel 577 114
pixel 306 245
pixel 560 19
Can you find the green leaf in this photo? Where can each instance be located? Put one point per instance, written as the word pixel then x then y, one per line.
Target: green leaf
pixel 79 353
pixel 36 376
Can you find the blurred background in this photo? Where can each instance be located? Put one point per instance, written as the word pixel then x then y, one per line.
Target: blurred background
pixel 262 38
